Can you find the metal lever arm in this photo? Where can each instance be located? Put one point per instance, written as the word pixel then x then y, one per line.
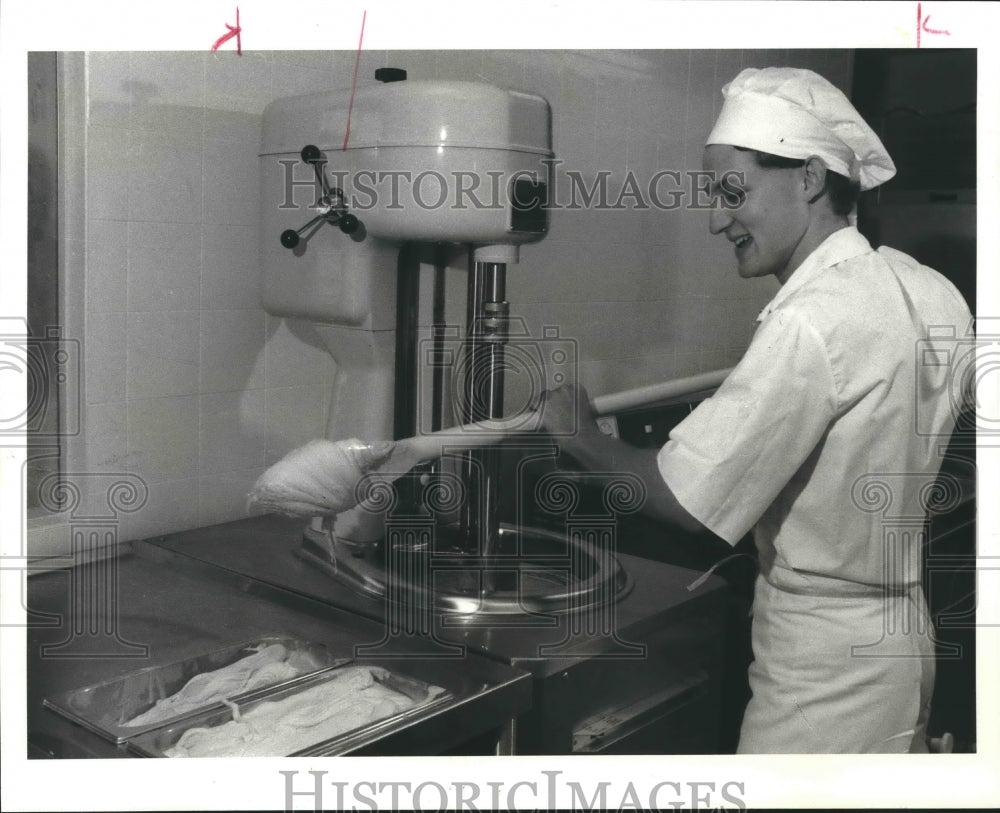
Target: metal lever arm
pixel 311 154
pixel 290 237
pixel 331 202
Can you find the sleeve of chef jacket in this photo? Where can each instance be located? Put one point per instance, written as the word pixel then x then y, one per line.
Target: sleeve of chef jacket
pixel 731 457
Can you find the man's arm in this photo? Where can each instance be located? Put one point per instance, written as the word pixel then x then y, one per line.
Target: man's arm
pixel 566 413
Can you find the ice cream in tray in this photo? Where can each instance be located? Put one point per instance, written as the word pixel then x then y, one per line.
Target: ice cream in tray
pixel 324 715
pixel 152 698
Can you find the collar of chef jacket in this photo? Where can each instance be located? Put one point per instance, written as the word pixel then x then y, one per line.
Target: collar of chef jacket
pixel 842 245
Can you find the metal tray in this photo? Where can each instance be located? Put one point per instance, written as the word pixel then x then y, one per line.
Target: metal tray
pixel 427 698
pixel 107 708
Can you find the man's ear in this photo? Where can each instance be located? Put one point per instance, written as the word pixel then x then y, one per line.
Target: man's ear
pixel 814 178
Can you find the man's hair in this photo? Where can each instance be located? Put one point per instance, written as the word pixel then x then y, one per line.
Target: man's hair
pixel 843 192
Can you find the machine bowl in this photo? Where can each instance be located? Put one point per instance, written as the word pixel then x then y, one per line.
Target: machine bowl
pixel 534 570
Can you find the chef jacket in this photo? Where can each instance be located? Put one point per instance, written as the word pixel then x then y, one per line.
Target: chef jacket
pixel 833 420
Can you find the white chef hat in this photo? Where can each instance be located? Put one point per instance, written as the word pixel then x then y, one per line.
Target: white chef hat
pixel 796 113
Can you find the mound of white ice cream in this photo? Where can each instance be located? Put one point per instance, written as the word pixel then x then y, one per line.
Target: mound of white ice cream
pixel 272 664
pixel 352 698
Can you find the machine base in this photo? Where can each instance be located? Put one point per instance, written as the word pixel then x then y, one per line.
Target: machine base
pixel 642 674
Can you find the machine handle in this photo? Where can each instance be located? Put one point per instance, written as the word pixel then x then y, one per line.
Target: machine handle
pixel 348 223
pixel 471 435
pixel 331 202
pixel 646 396
pixel 490 432
pixel 311 154
pixel 290 237
pixel 290 485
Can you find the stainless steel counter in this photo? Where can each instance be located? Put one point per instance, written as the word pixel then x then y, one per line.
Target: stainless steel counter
pixel 165 607
pixel 660 640
pixel 643 675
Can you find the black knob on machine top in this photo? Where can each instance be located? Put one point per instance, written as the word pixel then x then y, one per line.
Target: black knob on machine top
pixel 390 74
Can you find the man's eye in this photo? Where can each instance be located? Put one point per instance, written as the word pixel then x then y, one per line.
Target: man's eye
pixel 733 198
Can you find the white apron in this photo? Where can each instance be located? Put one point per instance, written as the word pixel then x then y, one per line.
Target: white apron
pixel 839 668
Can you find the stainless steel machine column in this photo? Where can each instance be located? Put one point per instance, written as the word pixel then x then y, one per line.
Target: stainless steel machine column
pixel 483 398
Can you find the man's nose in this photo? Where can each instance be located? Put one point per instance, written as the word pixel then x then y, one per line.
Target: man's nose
pixel 719 220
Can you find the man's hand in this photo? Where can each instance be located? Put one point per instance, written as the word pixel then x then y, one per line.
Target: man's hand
pixel 566 413
pixel 320 478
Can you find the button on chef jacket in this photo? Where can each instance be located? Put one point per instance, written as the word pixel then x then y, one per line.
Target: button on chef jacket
pixel 832 421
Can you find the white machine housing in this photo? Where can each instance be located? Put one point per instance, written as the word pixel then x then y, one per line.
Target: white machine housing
pixel 411 150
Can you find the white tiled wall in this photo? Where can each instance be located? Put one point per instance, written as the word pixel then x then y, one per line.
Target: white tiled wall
pixel 193 388
pixel 189 385
pixel 648 294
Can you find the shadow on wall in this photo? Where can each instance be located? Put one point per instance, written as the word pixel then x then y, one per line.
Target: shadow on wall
pixel 42 418
pixel 955 257
pixel 923 106
pixel 941 236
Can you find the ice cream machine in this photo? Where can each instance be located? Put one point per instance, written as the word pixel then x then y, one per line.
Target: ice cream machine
pixel 543 639
pixel 348 179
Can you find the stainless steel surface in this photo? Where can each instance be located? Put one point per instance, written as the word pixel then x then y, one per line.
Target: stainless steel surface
pixel 484 388
pixel 607 730
pixel 507 742
pixel 180 608
pixel 530 571
pixel 107 708
pixel 427 698
pixel 656 636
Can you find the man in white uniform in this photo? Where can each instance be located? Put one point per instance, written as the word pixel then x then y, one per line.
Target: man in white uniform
pixel 829 410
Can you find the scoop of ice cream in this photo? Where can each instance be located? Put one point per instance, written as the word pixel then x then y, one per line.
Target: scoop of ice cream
pixel 266 667
pixel 320 478
pixel 351 698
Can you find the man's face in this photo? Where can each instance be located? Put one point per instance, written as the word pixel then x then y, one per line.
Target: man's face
pixel 768 226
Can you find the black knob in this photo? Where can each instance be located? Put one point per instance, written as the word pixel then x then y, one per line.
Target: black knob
pixel 311 153
pixel 390 75
pixel 289 238
pixel 348 223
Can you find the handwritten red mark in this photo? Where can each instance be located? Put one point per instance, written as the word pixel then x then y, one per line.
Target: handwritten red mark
pixel 234 31
pixel 354 82
pixel 923 27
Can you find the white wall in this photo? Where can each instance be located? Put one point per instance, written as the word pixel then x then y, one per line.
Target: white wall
pixel 191 387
